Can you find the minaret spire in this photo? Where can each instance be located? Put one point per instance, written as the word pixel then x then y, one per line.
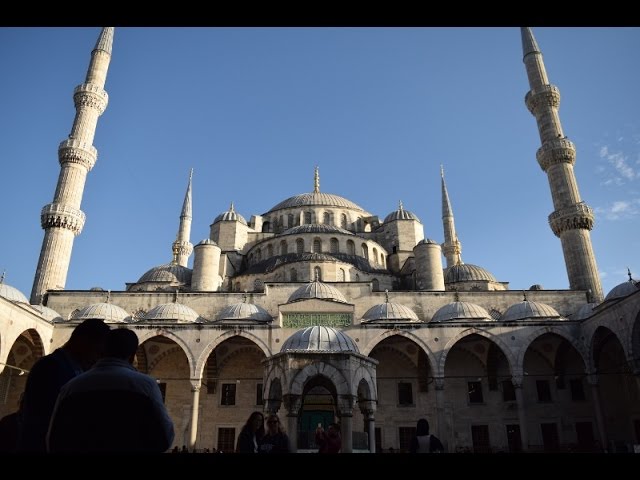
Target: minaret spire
pixel 182 247
pixel 316 180
pixel 451 246
pixel 62 219
pixel 572 219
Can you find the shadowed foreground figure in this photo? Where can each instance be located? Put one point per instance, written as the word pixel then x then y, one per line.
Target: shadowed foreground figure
pixel 49 374
pixel 112 407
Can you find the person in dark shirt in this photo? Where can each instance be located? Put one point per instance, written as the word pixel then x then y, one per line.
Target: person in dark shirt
pixel 274 440
pixel 10 429
pixel 329 441
pixel 50 373
pixel 251 434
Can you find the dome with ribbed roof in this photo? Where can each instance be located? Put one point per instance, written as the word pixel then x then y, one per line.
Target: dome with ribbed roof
pixel 457 311
pixel 48 313
pixel 168 273
pixel 108 312
pixel 319 290
pixel 528 310
pixel 623 290
pixel 316 199
pixel 316 228
pixel 391 312
pixel 172 312
pixel 207 241
pixel 466 272
pixel 12 294
pixel 319 339
pixel 230 216
pixel 428 241
pixel 401 214
pixel 244 311
pixel 584 312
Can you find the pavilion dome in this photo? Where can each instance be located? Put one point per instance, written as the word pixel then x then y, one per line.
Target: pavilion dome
pixel 172 312
pixel 526 310
pixel 389 311
pixel 456 311
pixel 244 311
pixel 319 290
pixel 108 312
pixel 319 339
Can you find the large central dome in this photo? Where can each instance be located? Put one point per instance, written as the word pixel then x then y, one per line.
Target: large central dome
pixel 316 199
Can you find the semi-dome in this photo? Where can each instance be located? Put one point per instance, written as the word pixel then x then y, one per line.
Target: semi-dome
pixel 230 216
pixel 48 313
pixel 456 311
pixel 108 312
pixel 389 311
pixel 170 272
pixel 401 214
pixel 528 310
pixel 244 311
pixel 584 312
pixel 319 290
pixel 316 228
pixel 623 290
pixel 316 199
pixel 319 339
pixel 173 312
pixel 466 272
pixel 12 294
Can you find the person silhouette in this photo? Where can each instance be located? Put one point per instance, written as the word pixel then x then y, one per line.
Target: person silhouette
pixel 50 373
pixel 329 441
pixel 10 429
pixel 112 407
pixel 274 440
pixel 251 434
pixel 423 442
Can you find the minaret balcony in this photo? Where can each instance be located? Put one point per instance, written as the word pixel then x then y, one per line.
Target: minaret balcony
pixel 544 96
pixel 62 216
pixel 573 217
pixel 559 150
pixel 73 150
pixel 90 95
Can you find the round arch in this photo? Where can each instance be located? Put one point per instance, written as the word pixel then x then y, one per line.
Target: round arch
pixel 146 335
pixel 389 333
pixel 506 351
pixel 210 347
pixel 533 336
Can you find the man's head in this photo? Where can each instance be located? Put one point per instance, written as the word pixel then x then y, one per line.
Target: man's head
pixel 121 343
pixel 87 341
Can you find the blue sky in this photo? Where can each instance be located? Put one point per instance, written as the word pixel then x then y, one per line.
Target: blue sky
pixel 253 110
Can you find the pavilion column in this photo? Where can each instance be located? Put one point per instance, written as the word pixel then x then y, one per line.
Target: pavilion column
pixel 195 405
pixel 292 405
pixel 597 408
pixel 371 427
pixel 442 430
pixel 518 384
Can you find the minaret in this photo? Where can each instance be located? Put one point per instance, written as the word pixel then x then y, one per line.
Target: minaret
pixel 451 246
pixel 182 248
pixel 62 219
pixel 316 181
pixel 572 219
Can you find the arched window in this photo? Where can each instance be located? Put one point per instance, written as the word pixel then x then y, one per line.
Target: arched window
pixel 293 275
pixel 343 221
pixel 375 285
pixel 317 274
pixel 341 275
pixel 283 247
pixel 351 247
pixel 375 255
pixel 307 218
pixel 300 246
pixel 382 259
pixel 326 218
pixel 290 220
pixel 269 251
pixel 365 251
pixel 317 245
pixel 359 224
pixel 357 277
pixel 334 245
pixel 266 227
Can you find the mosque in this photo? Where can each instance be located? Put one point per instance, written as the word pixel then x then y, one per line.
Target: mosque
pixel 321 311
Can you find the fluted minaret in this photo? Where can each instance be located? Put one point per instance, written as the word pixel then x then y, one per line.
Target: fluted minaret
pixel 451 246
pixel 316 180
pixel 62 219
pixel 182 247
pixel 572 219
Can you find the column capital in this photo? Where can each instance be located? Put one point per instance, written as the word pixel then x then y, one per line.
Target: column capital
pixel 517 380
pixel 196 384
pixel 439 383
pixel 592 379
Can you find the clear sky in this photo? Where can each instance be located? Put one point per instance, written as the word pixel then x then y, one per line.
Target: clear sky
pixel 253 110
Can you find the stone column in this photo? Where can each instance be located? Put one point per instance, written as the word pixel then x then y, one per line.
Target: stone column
pixel 518 382
pixel 371 426
pixel 292 405
pixel 592 378
pixel 346 427
pixel 195 404
pixel 441 423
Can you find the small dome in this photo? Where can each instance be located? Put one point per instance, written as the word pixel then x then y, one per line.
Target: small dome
pixel 316 199
pixel 623 290
pixel 230 216
pixel 108 312
pixel 390 312
pixel 12 294
pixel 456 311
pixel 175 312
pixel 466 272
pixel 401 214
pixel 527 310
pixel 427 241
pixel 316 228
pixel 584 312
pixel 48 313
pixel 170 272
pixel 207 241
pixel 244 311
pixel 317 290
pixel 319 339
